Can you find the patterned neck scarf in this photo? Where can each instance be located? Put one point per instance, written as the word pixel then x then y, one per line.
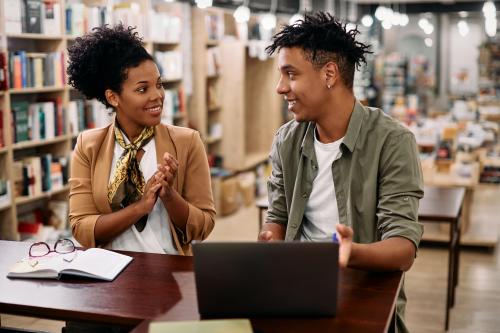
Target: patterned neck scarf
pixel 127 184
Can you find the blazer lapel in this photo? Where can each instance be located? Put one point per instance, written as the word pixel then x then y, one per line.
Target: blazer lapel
pixel 102 170
pixel 164 144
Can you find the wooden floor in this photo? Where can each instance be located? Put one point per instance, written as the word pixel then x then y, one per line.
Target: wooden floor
pixel 477 307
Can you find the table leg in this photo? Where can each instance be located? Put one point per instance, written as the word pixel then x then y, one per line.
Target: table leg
pixel 457 256
pixel 451 274
pixel 466 208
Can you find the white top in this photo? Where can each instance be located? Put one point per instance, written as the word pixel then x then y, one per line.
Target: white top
pixel 322 213
pixel 156 236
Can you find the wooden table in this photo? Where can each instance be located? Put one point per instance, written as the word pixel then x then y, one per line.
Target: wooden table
pixel 162 287
pixel 444 205
pixel 439 205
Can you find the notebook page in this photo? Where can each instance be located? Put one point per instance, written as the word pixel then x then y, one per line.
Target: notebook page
pixel 100 263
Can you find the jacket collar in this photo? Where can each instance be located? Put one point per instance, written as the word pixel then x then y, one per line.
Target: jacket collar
pixel 164 143
pixel 350 137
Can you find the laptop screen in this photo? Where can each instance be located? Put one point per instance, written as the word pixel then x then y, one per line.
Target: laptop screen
pixel 235 279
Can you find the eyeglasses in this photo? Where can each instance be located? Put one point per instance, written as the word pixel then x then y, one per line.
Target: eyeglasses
pixel 62 246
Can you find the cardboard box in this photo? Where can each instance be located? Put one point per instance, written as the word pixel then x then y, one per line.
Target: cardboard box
pixel 230 200
pixel 246 182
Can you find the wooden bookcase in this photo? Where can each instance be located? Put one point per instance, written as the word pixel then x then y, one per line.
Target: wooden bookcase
pixel 250 110
pixel 255 107
pixel 61 145
pixel 205 100
pixel 246 105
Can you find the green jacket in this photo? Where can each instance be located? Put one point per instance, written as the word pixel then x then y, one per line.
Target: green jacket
pixel 378 180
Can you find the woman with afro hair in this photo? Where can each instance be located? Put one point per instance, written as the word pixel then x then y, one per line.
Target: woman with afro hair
pixel 135 184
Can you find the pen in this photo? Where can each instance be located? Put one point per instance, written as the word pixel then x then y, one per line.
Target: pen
pixel 334 238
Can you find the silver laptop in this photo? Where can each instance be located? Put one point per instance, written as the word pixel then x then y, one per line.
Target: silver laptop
pixel 266 279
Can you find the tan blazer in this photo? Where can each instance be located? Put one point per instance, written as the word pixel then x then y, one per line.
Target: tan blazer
pixel 91 166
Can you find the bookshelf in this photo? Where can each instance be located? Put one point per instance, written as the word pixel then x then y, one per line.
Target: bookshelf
pixel 205 103
pixel 230 97
pixel 255 106
pixel 239 96
pixel 160 25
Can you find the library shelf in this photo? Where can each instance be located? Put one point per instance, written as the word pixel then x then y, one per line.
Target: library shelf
pixel 35 36
pixel 214 108
pixel 5 206
pixel 167 81
pixel 36 143
pixel 213 139
pixel 36 90
pixel 163 43
pixel 179 115
pixel 213 77
pixel 212 42
pixel 22 200
pixel 3 150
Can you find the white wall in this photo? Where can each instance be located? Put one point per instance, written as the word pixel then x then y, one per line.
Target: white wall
pixel 463 56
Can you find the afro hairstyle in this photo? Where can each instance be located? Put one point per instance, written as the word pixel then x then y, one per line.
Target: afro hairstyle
pixel 100 60
pixel 323 38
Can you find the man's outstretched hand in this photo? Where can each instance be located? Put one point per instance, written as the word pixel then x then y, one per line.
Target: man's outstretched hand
pixel 344 235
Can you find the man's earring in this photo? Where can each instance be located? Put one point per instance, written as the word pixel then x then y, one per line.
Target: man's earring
pixel 328 86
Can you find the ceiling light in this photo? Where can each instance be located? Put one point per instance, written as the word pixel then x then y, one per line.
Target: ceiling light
pixel 396 18
pixel 268 21
pixel 429 29
pixel 463 28
pixel 423 22
pixel 350 26
pixel 380 13
pixel 296 18
pixel 203 3
pixel 490 26
pixel 242 14
pixel 489 9
pixel 367 20
pixel 404 20
pixel 386 24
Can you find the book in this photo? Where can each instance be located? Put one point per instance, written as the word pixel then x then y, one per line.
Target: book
pixel 93 263
pixel 205 326
pixel 33 16
pixel 12 13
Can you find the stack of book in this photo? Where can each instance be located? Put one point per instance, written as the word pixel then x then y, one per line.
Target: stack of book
pixel 35 175
pixel 36 70
pixel 32 16
pixel 37 121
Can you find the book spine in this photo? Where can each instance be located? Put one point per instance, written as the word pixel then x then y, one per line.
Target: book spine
pixel 33 16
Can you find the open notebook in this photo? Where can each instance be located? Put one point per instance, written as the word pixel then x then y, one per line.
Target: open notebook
pixel 93 263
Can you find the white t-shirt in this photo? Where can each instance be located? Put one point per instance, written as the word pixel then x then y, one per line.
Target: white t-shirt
pixel 156 236
pixel 322 213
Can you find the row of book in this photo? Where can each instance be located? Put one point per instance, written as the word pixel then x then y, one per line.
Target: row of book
pixel 2 132
pixel 35 175
pixel 157 26
pixel 37 121
pixel 36 70
pixel 86 114
pixel 4 81
pixel 173 105
pixel 4 191
pixel 164 27
pixel 170 64
pixel 81 19
pixel 213 61
pixel 44 224
pixel 32 16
